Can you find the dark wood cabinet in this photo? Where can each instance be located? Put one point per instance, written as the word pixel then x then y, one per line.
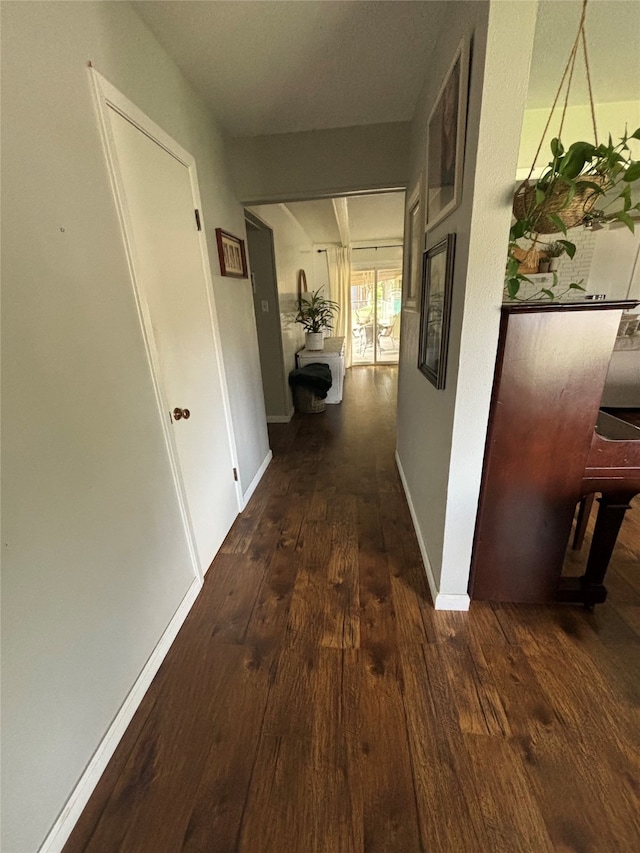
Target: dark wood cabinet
pixel 550 373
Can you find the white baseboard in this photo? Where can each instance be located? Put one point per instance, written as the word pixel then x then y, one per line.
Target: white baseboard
pixel 62 828
pixel 441 601
pixel 253 484
pixel 451 601
pixel 280 419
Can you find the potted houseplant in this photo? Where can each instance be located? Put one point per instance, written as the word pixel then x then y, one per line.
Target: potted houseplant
pixel 566 193
pixel 315 313
pixel 554 252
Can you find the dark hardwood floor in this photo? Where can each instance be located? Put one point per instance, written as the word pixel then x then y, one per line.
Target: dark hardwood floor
pixel 314 702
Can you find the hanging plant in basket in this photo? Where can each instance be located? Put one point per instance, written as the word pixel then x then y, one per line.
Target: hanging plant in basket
pixel 566 193
pixel 565 196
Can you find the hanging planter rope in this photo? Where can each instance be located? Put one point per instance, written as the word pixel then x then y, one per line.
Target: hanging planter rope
pixel 559 205
pixel 566 193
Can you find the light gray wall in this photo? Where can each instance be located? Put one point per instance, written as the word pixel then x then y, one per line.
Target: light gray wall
pixel 441 433
pixel 262 261
pixel 322 163
pixel 95 560
pixel 293 252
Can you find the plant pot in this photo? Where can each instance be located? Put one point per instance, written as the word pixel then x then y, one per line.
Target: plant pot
pixel 544 266
pixel 528 260
pixel 314 340
pixel 572 214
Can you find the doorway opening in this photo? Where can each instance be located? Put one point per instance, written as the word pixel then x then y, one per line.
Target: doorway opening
pixel 351 250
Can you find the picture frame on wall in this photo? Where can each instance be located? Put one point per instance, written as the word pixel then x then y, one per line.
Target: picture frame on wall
pixel 446 130
pixel 435 310
pixel 231 254
pixel 414 229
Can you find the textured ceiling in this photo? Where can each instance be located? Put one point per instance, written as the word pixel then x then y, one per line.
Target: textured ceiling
pixel 372 218
pixel 281 67
pixel 613 40
pixel 317 219
pixel 287 65
pixel 376 217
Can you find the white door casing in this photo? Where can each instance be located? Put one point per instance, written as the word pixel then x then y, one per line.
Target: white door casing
pixel 156 189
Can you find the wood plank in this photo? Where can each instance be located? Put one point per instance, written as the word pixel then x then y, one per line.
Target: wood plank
pixel 503 803
pixel 478 706
pixel 301 795
pixel 574 807
pixel 381 770
pixel 450 828
pixel 297 803
pixel 219 800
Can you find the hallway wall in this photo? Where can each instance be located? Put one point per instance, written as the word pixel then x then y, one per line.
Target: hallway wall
pixel 320 163
pixel 95 561
pixel 441 433
pixel 293 252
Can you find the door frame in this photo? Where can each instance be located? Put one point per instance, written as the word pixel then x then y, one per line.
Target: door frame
pixel 377 268
pixel 106 97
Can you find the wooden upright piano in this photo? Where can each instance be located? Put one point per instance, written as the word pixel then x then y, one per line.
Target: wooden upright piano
pixel 548 446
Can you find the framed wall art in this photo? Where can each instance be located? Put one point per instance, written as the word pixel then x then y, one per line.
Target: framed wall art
pixel 445 141
pixel 232 255
pixel 435 313
pixel 414 229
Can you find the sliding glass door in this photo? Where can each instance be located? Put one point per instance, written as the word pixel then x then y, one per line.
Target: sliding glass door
pixel 376 298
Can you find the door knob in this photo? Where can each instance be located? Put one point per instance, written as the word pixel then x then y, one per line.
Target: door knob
pixel 178 414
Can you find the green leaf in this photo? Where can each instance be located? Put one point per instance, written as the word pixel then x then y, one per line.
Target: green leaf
pixel 575 286
pixel 571 193
pixel 569 247
pixel 624 217
pixel 635 134
pixel 557 148
pixel 513 286
pixel 614 158
pixel 540 195
pixel 575 158
pixel 558 222
pixel 519 229
pixel 549 293
pixel 633 172
pixel 589 185
pixel 512 267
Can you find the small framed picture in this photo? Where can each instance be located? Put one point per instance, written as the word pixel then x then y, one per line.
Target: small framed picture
pixel 445 141
pixel 414 228
pixel 435 314
pixel 232 255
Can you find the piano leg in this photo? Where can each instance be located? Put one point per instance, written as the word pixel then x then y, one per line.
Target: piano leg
pixel 584 512
pixel 608 523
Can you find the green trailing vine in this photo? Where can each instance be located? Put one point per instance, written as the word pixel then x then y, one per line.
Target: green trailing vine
pixel 574 179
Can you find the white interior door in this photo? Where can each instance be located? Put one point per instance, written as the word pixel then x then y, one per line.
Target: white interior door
pixel 159 211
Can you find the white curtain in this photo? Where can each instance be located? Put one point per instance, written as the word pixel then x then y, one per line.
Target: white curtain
pixel 339 262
